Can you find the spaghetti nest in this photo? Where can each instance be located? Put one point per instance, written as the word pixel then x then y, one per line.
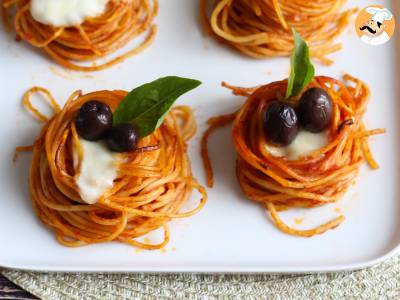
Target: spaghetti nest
pixel 150 189
pixel 121 22
pixel 323 176
pixel 261 28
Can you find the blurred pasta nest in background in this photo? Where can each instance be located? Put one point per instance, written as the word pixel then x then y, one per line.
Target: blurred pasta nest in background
pixel 96 37
pixel 261 28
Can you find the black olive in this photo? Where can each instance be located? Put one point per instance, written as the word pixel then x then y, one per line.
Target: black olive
pixel 280 123
pixel 315 110
pixel 93 119
pixel 122 138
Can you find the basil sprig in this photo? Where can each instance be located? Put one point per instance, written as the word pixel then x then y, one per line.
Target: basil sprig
pixel 146 106
pixel 301 68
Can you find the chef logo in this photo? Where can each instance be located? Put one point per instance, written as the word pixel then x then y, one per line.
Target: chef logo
pixel 375 25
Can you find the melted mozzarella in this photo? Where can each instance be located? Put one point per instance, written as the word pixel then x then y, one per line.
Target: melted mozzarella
pixel 65 13
pixel 304 143
pixel 97 172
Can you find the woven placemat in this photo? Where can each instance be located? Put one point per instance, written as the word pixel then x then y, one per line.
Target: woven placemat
pixel 379 282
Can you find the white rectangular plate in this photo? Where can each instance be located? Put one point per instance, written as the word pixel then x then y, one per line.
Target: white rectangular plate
pixel 231 234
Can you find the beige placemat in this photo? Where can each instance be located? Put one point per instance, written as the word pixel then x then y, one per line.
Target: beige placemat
pixel 379 282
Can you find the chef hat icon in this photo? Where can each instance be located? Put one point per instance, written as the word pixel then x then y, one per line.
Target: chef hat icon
pixel 379 14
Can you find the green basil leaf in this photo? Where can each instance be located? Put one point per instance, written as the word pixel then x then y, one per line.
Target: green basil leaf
pixel 301 68
pixel 146 106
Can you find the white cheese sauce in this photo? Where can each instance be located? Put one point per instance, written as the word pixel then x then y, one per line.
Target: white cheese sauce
pixel 304 143
pixel 64 13
pixel 97 172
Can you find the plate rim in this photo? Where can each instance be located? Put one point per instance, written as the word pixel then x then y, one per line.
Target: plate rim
pixel 211 270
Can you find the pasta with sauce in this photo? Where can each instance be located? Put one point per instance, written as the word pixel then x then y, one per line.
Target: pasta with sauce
pixel 319 177
pixel 261 28
pixel 95 37
pixel 152 182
